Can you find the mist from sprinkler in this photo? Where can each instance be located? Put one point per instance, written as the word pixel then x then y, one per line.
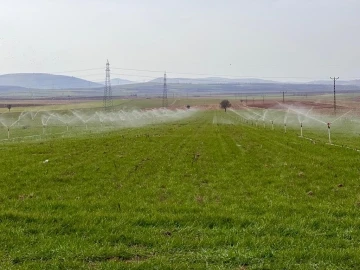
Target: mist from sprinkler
pixel 285 119
pixel 43 119
pixel 301 116
pixel 84 119
pixel 10 124
pixel 341 116
pixel 292 115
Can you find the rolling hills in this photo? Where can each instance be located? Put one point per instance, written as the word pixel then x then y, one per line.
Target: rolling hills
pixel 45 81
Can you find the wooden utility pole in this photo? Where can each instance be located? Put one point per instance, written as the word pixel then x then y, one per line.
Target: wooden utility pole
pixel 335 79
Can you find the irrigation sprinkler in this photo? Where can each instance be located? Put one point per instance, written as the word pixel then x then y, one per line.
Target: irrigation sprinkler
pixel 328 124
pixel 272 124
pixel 87 120
pixel 285 127
pixel 301 132
pixel 264 123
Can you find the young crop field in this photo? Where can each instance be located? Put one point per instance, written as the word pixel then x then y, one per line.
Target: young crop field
pixel 213 190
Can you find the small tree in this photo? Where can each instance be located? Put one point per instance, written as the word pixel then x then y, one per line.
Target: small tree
pixel 188 106
pixel 225 104
pixel 9 107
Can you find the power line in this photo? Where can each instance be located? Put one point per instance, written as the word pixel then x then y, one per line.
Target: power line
pixel 218 75
pixel 72 71
pixel 134 75
pixel 133 69
pixel 187 73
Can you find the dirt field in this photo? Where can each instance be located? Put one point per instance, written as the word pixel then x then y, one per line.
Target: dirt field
pixel 320 104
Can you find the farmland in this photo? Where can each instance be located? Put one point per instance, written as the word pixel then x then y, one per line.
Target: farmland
pixel 210 190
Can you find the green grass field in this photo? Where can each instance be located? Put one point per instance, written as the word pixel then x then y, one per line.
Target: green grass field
pixel 190 194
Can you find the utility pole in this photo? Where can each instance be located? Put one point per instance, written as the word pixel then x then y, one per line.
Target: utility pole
pixel 283 92
pixel 335 79
pixel 165 99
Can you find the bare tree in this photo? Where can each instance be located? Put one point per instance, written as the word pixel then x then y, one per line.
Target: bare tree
pixel 9 107
pixel 225 104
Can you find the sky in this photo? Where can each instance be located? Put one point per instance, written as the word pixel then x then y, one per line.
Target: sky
pixel 286 40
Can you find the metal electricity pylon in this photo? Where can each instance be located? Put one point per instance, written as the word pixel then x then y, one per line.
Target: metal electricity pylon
pixel 108 102
pixel 165 99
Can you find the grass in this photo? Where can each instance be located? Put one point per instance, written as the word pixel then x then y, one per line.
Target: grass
pixel 186 195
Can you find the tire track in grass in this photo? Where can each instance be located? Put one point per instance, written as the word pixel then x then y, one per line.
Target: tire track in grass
pixel 264 140
pixel 175 149
pixel 263 147
pixel 177 189
pixel 291 158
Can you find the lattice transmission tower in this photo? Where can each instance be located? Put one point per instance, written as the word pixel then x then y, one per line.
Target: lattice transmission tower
pixel 108 101
pixel 165 99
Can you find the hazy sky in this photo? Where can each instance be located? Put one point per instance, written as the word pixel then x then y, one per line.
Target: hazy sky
pixel 292 39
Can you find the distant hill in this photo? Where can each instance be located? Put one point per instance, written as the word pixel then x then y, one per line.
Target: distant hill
pixel 339 82
pixel 118 81
pixel 45 81
pixel 213 80
pixel 156 88
pixel 11 88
